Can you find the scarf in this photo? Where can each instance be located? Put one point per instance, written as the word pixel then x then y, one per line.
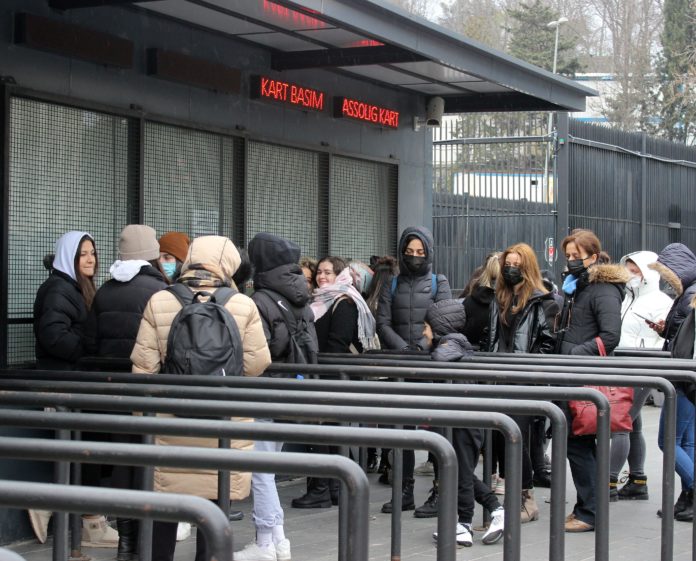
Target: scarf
pixel 323 300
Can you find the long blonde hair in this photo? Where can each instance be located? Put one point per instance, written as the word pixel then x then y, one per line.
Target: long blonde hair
pixel 531 280
pixel 491 271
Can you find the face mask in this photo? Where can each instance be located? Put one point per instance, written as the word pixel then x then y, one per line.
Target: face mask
pixel 169 269
pixel 512 275
pixel 634 283
pixel 414 263
pixel 576 267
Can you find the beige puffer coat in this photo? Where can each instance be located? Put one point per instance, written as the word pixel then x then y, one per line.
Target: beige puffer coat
pixel 210 259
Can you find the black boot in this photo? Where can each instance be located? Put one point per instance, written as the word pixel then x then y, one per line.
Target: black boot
pixel 681 504
pixel 542 478
pixel 407 502
pixel 687 513
pixel 127 539
pixel 429 508
pixel 613 490
pixel 317 495
pixel 635 489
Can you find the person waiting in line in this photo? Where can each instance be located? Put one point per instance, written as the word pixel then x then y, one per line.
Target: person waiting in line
pixel 401 312
pixel 676 264
pixel 113 326
pixel 444 324
pixel 477 303
pixel 210 264
pixel 644 304
pixel 384 269
pixel 521 321
pixel 590 324
pixel 278 281
pixel 61 309
pixel 309 270
pixel 344 324
pixel 174 247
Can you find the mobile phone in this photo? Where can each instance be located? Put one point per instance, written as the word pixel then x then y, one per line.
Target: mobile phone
pixel 643 317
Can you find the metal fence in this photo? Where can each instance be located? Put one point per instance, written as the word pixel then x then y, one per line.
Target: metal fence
pixel 502 179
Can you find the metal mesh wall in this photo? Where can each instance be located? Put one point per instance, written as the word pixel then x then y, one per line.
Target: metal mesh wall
pixel 282 191
pixel 187 180
pixel 363 204
pixel 67 171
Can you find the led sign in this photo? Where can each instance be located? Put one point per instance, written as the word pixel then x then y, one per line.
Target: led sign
pixel 263 87
pixel 362 111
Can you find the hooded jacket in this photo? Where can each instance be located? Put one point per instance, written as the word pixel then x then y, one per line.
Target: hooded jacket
pixel 645 301
pixel 532 328
pixel 676 264
pixel 60 312
pixel 275 262
pixel 400 318
pixel 595 310
pixel 118 307
pixel 211 262
pixel 478 308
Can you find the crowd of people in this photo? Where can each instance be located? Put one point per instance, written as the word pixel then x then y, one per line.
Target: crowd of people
pixel 286 307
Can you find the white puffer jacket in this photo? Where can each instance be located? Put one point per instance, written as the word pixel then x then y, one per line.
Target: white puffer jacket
pixel 646 300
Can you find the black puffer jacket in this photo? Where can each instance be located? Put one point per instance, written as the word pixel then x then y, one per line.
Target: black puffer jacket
pixel 446 316
pixel 677 266
pixel 532 329
pixel 275 267
pixel 116 312
pixel 595 311
pixel 400 318
pixel 477 307
pixel 60 315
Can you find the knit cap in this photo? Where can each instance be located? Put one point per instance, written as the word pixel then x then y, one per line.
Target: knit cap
pixel 138 242
pixel 176 244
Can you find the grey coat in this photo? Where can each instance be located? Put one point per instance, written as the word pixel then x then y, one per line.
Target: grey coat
pixel 401 317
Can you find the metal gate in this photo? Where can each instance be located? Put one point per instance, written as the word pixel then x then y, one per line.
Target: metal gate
pixel 492 186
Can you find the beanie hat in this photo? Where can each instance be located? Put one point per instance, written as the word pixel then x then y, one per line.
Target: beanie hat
pixel 176 244
pixel 138 242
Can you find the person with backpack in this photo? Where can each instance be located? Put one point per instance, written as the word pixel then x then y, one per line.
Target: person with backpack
pixel 401 311
pixel 280 292
pixel 172 329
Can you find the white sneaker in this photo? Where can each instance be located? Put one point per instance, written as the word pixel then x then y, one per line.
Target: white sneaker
pixel 464 537
pixel 183 531
pixel 495 530
pixel 254 552
pixel 283 550
pixel 426 468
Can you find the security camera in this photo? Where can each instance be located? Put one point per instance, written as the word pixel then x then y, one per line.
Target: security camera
pixel 434 110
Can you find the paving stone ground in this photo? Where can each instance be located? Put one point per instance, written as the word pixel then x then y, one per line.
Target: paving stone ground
pixel 635 528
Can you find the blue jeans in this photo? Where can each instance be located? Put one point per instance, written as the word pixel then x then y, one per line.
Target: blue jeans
pixel 685 439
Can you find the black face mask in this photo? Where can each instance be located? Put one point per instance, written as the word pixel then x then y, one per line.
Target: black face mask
pixel 415 264
pixel 576 267
pixel 512 275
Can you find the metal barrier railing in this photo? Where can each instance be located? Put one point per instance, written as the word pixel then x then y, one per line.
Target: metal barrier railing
pixel 602 453
pixel 309 434
pixel 132 504
pixel 340 398
pixel 535 375
pixel 394 416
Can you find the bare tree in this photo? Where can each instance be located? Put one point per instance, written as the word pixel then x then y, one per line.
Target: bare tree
pixel 423 8
pixel 481 20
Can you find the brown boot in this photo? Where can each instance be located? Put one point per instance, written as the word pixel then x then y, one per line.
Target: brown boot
pixel 530 510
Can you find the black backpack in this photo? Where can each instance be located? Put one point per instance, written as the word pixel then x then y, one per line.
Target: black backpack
pixel 204 338
pixel 302 348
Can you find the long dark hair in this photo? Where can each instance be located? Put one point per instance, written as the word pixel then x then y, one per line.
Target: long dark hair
pixel 86 284
pixel 385 268
pixel 337 263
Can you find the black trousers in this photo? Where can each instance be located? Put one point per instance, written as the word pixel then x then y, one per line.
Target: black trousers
pixel 467 446
pixel 583 467
pixel 523 421
pixel 164 542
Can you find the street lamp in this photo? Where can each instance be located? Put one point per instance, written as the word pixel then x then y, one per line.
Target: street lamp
pixel 553 25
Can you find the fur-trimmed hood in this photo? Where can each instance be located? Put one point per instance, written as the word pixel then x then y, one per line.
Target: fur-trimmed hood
pixel 676 264
pixel 615 274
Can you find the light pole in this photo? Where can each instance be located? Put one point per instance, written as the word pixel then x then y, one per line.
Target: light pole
pixel 557 25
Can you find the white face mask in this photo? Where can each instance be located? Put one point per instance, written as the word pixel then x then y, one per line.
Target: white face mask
pixel 635 282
